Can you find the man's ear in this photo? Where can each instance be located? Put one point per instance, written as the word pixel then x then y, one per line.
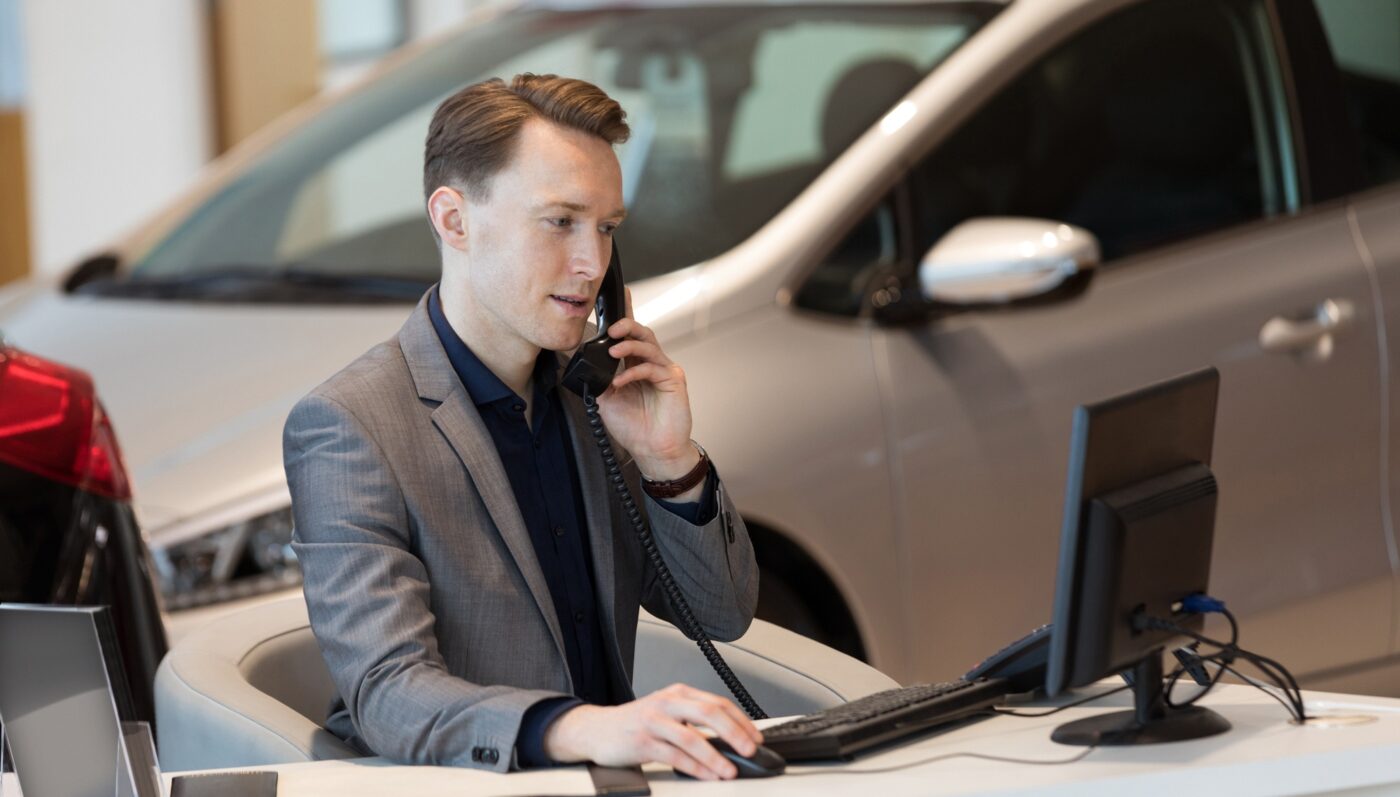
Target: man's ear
pixel 447 209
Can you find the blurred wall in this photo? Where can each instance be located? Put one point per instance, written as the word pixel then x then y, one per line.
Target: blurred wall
pixel 117 117
pixel 266 62
pixel 109 110
pixel 14 182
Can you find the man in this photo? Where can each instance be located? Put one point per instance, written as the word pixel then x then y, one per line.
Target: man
pixel 471 578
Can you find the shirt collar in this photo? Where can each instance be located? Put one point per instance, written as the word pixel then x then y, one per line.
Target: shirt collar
pixel 481 382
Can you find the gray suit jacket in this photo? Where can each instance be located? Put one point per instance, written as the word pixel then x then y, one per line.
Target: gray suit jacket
pixel 423 588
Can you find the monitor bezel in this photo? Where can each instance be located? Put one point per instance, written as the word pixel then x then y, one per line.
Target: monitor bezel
pixel 1175 425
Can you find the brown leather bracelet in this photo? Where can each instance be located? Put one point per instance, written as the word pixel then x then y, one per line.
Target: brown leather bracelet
pixel 674 487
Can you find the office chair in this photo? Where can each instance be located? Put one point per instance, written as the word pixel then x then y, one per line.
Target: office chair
pixel 251 688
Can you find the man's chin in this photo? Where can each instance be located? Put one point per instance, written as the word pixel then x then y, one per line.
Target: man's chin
pixel 569 341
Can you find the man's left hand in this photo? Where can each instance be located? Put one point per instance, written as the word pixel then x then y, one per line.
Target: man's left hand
pixel 647 408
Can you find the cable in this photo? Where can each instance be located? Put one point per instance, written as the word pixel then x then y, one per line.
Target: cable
pixel 1228 653
pixel 1275 672
pixel 1234 626
pixel 1176 675
pixel 1191 701
pixel 1171 681
pixel 1263 688
pixel 689 624
pixel 1014 713
pixel 1257 684
pixel 1290 690
pixel 1205 604
pixel 921 762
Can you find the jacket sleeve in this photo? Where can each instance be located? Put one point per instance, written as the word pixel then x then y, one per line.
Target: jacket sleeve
pixel 713 563
pixel 367 596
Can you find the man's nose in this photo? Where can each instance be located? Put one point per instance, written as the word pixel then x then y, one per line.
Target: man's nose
pixel 590 258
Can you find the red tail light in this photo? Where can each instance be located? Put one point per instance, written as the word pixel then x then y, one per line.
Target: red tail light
pixel 52 424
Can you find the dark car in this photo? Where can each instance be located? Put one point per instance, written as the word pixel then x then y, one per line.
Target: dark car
pixel 68 534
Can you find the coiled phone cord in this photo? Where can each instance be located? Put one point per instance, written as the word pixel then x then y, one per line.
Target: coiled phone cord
pixel 689 624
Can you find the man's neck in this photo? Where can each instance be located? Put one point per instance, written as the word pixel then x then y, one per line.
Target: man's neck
pixel 514 365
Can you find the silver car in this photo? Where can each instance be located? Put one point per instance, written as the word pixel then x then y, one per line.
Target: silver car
pixel 893 244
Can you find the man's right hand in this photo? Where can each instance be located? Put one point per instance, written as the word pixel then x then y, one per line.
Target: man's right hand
pixel 658 728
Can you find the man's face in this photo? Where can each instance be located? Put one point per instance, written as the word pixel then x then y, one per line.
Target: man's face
pixel 539 244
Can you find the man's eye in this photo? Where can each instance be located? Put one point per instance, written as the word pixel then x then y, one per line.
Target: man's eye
pixel 562 222
pixel 608 229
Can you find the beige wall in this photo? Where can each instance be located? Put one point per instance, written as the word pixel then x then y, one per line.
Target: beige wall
pixel 14 205
pixel 266 62
pixel 124 104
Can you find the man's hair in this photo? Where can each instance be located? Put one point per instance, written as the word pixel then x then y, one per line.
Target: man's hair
pixel 474 132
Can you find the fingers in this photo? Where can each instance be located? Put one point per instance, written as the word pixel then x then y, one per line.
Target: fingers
pixel 658 375
pixel 720 716
pixel 736 714
pixel 629 328
pixel 641 350
pixel 669 716
pixel 663 752
pixel 689 751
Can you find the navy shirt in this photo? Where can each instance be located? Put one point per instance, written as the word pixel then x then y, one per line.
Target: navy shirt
pixel 538 458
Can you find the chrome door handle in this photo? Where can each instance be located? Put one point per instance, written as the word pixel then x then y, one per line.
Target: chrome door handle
pixel 1309 334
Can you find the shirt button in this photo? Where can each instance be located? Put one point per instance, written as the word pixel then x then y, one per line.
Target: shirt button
pixel 518 407
pixel 558 531
pixel 578 617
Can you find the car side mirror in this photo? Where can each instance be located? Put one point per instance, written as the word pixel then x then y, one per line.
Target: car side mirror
pixel 94 268
pixel 1002 260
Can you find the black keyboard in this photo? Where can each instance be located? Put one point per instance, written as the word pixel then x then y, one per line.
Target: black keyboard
pixel 843 731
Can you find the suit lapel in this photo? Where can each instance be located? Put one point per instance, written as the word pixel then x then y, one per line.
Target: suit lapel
pixel 457 419
pixel 597 508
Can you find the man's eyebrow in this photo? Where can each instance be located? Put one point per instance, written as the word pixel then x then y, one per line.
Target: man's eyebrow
pixel 620 213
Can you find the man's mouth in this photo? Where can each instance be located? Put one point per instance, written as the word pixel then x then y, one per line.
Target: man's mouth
pixel 576 301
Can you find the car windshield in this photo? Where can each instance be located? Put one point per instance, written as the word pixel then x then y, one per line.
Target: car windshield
pixel 734 110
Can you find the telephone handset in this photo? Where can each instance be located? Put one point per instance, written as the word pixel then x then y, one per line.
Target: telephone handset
pixel 592 368
pixel 589 372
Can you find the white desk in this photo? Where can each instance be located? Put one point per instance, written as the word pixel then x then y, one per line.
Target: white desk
pixel 1262 755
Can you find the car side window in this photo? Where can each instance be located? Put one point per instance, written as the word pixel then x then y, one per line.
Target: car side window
pixel 1365 40
pixel 842 279
pixel 1158 123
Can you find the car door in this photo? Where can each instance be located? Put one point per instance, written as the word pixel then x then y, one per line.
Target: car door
pixel 1163 129
pixel 1354 95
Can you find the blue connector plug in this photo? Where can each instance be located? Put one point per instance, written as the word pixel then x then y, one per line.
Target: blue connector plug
pixel 1202 604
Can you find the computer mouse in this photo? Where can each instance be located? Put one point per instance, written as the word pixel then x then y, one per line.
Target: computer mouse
pixel 764 763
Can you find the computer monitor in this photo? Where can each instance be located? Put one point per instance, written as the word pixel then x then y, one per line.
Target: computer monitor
pixel 1138 525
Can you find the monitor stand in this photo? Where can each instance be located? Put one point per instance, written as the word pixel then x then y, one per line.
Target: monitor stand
pixel 1151 721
